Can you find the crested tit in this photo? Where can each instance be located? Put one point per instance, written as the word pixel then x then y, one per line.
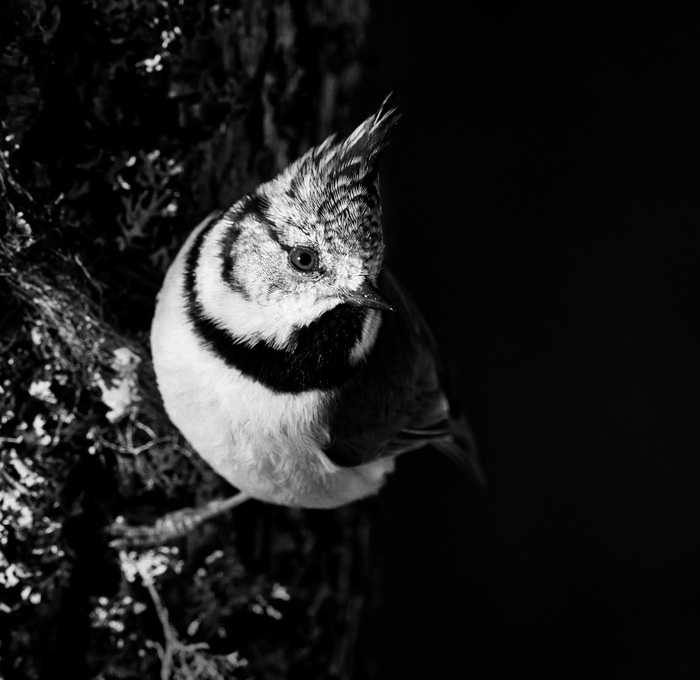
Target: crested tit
pixel 292 361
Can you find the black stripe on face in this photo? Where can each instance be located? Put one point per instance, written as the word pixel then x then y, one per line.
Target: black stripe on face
pixel 228 259
pixel 257 207
pixel 317 357
pixel 192 260
pixel 292 190
pixel 254 206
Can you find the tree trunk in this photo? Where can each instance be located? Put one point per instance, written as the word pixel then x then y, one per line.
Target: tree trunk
pixel 123 123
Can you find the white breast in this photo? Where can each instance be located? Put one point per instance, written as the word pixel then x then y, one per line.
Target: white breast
pixel 266 444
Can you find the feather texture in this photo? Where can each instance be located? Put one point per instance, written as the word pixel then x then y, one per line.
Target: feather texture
pixel 398 401
pixel 294 382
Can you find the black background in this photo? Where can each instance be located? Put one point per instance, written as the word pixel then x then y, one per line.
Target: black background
pixel 541 198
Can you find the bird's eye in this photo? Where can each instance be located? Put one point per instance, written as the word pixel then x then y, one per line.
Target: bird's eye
pixel 303 259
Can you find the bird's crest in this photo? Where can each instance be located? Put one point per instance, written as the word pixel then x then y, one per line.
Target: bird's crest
pixel 332 188
pixel 361 150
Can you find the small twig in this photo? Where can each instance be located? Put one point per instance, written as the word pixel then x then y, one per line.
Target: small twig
pixel 133 450
pixel 146 429
pixel 173 646
pixel 57 434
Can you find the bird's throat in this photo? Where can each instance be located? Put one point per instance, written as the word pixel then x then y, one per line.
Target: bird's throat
pixel 317 357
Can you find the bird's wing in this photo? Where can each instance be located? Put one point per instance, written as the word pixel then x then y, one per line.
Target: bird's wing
pixel 400 400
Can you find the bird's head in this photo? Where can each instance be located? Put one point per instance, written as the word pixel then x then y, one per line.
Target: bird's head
pixel 302 244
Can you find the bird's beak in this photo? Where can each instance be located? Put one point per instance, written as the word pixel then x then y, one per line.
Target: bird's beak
pixel 368 295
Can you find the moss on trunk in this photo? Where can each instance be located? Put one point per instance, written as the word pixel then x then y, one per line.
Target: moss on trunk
pixel 123 123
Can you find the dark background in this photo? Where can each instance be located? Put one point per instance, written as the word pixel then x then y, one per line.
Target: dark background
pixel 540 198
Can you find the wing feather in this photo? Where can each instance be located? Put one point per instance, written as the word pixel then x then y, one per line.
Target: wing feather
pixel 398 400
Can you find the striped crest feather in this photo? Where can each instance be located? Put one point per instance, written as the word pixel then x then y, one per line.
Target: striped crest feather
pixel 359 153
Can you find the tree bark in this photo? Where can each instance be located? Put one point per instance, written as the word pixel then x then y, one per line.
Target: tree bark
pixel 123 123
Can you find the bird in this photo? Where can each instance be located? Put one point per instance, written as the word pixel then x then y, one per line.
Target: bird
pixel 287 354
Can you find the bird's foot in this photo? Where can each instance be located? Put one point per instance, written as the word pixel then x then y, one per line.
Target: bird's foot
pixel 171 526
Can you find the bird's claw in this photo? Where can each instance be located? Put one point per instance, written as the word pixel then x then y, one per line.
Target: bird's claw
pixel 171 526
pixel 167 528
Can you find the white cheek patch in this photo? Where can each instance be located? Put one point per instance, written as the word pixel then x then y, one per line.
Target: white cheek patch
pixel 286 318
pixel 249 320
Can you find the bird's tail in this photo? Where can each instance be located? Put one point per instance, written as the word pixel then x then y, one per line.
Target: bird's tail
pixel 461 449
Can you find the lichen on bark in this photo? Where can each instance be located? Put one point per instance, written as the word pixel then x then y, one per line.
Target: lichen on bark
pixel 123 122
